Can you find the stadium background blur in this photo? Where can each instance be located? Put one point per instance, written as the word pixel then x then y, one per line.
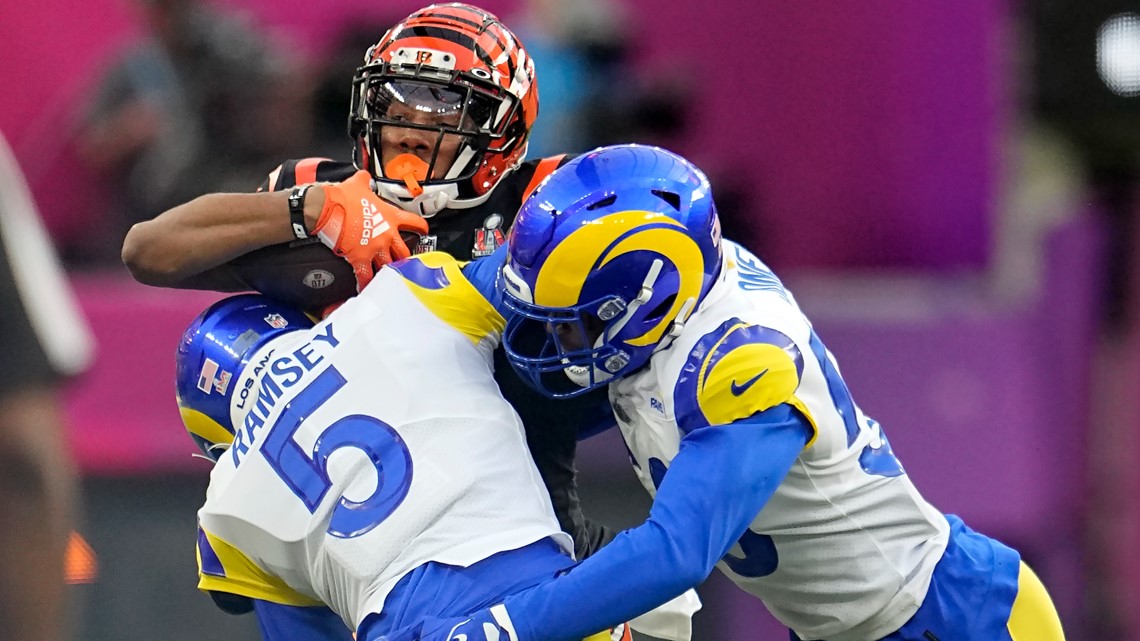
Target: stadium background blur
pixel 949 188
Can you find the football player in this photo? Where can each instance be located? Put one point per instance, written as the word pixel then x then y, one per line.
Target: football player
pixel 348 494
pixel 441 111
pixel 737 420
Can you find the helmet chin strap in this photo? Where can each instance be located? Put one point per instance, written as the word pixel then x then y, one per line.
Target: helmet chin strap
pixel 220 448
pixel 678 325
pixel 643 297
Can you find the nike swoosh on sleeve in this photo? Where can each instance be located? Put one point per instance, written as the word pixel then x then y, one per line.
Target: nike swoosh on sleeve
pixel 737 390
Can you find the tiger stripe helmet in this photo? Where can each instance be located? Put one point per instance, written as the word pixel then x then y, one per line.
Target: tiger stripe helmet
pixel 606 261
pixel 447 55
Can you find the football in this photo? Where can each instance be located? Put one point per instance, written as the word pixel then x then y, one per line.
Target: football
pixel 303 273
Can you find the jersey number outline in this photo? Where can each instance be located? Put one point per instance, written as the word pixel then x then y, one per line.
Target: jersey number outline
pixel 306 473
pixel 759 556
pixel 877 458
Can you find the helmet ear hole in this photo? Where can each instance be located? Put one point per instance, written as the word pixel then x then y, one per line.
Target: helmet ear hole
pixel 673 199
pixel 605 202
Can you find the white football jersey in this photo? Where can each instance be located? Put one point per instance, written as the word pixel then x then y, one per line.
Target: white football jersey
pixel 846 546
pixel 369 445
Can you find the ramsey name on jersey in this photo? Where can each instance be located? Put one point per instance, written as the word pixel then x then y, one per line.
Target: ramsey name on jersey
pixel 350 468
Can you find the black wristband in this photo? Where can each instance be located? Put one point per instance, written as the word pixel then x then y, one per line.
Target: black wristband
pixel 297 210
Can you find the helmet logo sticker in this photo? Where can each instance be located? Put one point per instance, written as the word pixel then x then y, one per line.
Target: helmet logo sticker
pixel 422 56
pixel 276 321
pixel 212 377
pixel 318 279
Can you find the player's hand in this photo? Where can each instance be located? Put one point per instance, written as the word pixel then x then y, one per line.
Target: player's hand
pixel 492 624
pixel 363 228
pixel 485 625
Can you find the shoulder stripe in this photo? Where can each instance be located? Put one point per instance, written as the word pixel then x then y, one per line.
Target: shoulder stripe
pixel 208 561
pixel 270 183
pixel 437 280
pixel 306 171
pixel 544 168
pixel 736 371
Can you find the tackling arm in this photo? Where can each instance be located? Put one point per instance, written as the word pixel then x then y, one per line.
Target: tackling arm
pixel 718 482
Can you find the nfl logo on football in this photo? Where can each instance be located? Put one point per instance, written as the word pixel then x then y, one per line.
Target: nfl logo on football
pixel 318 279
pixel 276 321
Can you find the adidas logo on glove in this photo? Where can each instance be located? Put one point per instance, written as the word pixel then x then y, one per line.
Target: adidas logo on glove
pixel 373 220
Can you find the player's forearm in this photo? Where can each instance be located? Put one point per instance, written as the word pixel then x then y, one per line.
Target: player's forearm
pixel 719 481
pixel 36 491
pixel 209 231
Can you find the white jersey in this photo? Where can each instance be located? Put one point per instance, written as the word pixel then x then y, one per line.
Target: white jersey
pixel 846 546
pixel 357 460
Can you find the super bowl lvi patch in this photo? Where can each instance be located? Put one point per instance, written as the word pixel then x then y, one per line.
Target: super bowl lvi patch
pixel 489 237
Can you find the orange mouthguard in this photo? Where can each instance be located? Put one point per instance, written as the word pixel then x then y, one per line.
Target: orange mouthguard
pixel 410 169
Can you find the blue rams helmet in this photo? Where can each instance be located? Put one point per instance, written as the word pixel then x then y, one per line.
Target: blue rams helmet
pixel 211 355
pixel 607 260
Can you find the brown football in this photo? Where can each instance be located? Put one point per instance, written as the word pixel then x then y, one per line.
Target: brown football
pixel 303 273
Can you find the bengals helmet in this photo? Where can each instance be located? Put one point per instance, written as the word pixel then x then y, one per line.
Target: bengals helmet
pixel 457 78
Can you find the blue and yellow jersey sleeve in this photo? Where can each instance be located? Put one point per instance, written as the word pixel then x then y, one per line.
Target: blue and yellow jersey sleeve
pixel 442 286
pixel 223 568
pixel 717 483
pixel 736 371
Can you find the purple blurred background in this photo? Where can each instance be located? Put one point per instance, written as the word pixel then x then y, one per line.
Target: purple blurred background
pixel 963 250
pixel 869 130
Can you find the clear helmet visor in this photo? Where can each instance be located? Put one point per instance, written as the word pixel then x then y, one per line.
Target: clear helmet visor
pixel 443 126
pixel 428 104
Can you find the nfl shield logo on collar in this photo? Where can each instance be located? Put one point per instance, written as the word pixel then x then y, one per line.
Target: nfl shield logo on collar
pixel 276 321
pixel 427 244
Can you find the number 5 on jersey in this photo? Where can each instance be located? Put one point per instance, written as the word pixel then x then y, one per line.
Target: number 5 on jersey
pixel 306 473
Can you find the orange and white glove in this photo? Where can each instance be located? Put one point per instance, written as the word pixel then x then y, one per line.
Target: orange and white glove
pixel 363 228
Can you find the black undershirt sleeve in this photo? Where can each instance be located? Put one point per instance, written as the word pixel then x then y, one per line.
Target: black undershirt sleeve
pixel 552 435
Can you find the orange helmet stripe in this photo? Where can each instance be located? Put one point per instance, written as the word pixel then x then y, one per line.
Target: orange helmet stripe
pixel 545 167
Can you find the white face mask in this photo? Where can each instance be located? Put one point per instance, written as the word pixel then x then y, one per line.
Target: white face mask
pixel 434 198
pixel 578 374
